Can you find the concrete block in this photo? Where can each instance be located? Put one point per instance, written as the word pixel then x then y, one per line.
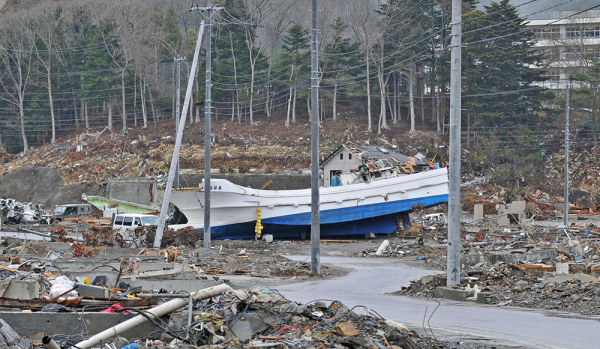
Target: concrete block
pixel 36 325
pixel 450 293
pixel 22 289
pixel 93 291
pixel 562 268
pixel 246 324
pixel 484 298
pixel 478 212
pixel 171 284
pixel 517 207
pixel 61 246
pixel 503 220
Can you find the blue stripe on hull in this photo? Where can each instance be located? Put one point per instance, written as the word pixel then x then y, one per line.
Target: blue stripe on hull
pixel 376 218
pixel 358 212
pixel 378 225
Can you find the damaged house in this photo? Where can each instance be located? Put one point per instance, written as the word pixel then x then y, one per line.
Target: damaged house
pixel 348 159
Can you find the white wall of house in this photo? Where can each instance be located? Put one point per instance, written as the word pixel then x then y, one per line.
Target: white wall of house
pixel 342 162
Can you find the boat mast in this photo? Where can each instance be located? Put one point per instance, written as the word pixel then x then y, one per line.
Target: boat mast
pixel 175 159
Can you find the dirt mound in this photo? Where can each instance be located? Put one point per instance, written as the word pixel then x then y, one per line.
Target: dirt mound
pixel 43 185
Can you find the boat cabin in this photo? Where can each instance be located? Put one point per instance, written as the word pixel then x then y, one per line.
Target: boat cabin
pixel 344 165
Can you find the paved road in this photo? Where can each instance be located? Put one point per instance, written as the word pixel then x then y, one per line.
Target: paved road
pixel 371 278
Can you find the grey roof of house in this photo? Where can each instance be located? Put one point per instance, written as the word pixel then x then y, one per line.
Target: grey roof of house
pixel 372 152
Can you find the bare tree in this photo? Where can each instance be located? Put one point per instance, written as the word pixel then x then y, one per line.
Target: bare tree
pixel 17 44
pixel 280 18
pixel 47 24
pixel 361 15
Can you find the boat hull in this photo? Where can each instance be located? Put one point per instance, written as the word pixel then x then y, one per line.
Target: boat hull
pixel 347 210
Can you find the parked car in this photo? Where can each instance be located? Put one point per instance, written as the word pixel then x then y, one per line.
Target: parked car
pixel 62 212
pixel 124 225
pixel 130 221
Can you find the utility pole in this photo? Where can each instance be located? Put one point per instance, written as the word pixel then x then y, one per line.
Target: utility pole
pixel 179 137
pixel 315 231
pixel 210 11
pixel 566 218
pixel 453 260
pixel 178 59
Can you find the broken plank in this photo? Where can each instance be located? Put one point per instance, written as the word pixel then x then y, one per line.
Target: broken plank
pixel 266 184
pixel 565 253
pixel 38 304
pixel 340 241
pixel 538 267
pixel 271 337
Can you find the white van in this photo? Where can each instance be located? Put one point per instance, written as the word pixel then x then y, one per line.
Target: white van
pixel 130 221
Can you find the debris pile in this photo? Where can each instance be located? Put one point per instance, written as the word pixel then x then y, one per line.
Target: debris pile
pixel 552 271
pixel 122 283
pixel 15 212
pixel 259 319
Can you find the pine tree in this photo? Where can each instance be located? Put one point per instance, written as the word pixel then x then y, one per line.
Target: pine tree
pixel 295 56
pixel 340 55
pixel 501 99
pixel 586 96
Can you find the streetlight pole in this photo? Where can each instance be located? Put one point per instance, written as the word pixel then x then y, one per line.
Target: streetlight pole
pixel 179 137
pixel 178 59
pixel 315 231
pixel 453 260
pixel 566 217
pixel 210 10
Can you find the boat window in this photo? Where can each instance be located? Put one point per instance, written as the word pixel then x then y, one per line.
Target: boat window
pixel 341 156
pixel 128 221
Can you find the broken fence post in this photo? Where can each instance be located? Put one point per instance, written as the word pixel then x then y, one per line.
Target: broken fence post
pixel 158 311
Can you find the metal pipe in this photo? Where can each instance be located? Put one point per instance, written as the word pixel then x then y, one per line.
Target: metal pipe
pixel 49 343
pixel 190 310
pixel 158 311
pixel 174 295
pixel 34 232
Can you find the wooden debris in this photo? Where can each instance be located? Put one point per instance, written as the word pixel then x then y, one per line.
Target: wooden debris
pixel 271 337
pixel 38 304
pixel 537 267
pixel 565 253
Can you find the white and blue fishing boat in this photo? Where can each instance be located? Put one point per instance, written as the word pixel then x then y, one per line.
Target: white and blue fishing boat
pixel 362 199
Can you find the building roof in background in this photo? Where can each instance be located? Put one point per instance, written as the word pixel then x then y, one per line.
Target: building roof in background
pixel 374 153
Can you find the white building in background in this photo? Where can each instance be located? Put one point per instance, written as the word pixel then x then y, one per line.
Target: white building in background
pixel 568 42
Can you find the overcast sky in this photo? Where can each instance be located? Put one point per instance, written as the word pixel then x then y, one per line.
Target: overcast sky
pixel 539 5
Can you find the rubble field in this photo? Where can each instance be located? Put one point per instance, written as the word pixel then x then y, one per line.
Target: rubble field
pixel 56 277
